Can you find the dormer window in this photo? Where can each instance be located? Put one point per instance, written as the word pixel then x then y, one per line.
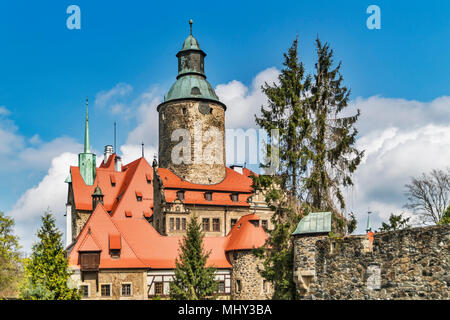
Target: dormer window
pixel 128 214
pixel 114 245
pixel 208 196
pixel 138 196
pixel 148 177
pixel 180 195
pixel 235 197
pixel 113 180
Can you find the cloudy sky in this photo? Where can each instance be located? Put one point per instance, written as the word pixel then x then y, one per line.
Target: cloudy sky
pixel 123 59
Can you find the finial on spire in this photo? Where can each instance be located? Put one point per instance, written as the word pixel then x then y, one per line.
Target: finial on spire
pixel 87 148
pixel 142 144
pixel 190 25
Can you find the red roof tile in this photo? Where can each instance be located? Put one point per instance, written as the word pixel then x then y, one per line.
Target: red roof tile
pixel 247 233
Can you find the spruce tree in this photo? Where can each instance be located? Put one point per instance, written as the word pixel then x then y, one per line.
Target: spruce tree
pixel 193 279
pixel 332 156
pixel 286 112
pixel 46 270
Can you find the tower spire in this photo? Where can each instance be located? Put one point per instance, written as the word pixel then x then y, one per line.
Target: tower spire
pixel 87 147
pixel 368 228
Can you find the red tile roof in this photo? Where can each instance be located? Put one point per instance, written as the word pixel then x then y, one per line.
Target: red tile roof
pixel 141 245
pixel 126 228
pixel 247 233
pixel 114 242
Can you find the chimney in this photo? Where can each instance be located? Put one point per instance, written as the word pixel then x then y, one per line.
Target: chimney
pixel 118 164
pixel 237 168
pixel 109 150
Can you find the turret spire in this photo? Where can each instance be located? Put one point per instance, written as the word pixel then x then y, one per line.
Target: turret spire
pixel 190 25
pixel 87 147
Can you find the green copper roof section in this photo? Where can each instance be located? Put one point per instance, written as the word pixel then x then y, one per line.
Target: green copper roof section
pixel 315 222
pixel 191 86
pixel 191 79
pixel 190 44
pixel 68 179
pixel 97 191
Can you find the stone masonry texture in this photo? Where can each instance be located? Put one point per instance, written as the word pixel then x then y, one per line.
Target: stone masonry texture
pixel 404 264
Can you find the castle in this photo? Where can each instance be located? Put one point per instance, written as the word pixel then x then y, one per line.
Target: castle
pixel 124 222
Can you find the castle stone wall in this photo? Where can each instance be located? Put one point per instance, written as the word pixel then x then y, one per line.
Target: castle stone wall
pixel 247 283
pixel 405 264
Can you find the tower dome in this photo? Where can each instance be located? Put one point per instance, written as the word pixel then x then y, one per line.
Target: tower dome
pixel 192 105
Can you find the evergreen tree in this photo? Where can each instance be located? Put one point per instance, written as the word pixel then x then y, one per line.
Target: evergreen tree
pixel 316 153
pixel 287 113
pixel 193 280
pixel 10 261
pixel 46 270
pixel 332 156
pixel 396 222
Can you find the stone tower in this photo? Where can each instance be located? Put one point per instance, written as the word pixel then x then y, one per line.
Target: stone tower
pixel 192 122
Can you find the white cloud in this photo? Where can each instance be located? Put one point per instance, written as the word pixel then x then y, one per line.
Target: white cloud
pixel 243 102
pixel 401 139
pixel 113 99
pixel 50 193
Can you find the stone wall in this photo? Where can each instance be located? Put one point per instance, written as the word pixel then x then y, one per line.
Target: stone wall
pixel 207 152
pixel 405 264
pixel 115 278
pixel 246 282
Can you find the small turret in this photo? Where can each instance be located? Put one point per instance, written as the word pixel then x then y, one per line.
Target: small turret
pixel 97 197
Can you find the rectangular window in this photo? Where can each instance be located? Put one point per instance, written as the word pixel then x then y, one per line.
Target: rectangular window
pixel 158 288
pixel 183 223
pixel 208 196
pixel 264 224
pixel 84 291
pixel 234 197
pixel 205 224
pixel 171 224
pixel 238 286
pixel 105 290
pixel 178 223
pixel 139 199
pixel 221 286
pixel 180 195
pixel 233 222
pixel 216 225
pixel 126 289
pixel 264 286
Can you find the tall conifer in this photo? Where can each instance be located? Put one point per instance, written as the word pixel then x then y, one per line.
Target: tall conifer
pixel 46 270
pixel 193 279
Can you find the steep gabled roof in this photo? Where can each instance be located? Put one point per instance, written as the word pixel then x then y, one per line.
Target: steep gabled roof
pixel 98 228
pixel 118 188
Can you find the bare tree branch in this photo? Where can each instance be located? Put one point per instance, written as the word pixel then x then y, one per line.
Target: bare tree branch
pixel 429 195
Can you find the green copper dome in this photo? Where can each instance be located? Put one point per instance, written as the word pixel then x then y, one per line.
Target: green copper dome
pixel 190 44
pixel 191 79
pixel 191 86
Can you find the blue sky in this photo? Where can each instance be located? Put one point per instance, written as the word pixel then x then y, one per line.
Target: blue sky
pixel 47 70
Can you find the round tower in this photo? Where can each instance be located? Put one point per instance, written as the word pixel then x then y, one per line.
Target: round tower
pixel 192 121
